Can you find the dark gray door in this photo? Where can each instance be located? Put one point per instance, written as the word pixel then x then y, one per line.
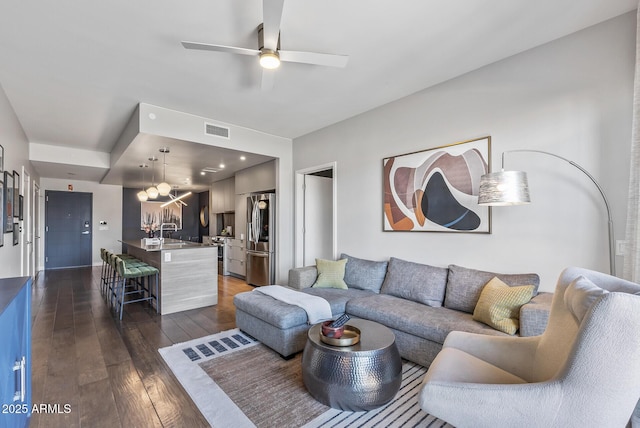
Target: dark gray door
pixel 68 229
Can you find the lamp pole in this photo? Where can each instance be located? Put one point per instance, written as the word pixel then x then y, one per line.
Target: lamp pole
pixel 612 257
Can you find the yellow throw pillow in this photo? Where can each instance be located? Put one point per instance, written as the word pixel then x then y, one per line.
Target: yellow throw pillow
pixel 499 305
pixel 330 274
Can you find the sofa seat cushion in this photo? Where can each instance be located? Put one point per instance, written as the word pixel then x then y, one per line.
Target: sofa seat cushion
pixel 336 297
pixel 420 320
pixel 284 315
pixel 270 310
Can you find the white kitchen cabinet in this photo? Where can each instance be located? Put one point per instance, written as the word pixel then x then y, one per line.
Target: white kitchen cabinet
pixel 223 196
pixel 236 257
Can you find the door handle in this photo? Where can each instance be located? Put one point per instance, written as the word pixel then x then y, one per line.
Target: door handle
pixel 85 232
pixel 19 369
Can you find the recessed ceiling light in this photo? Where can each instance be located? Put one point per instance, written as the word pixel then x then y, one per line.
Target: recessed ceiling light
pixel 221 165
pixel 202 173
pixel 152 116
pixel 243 158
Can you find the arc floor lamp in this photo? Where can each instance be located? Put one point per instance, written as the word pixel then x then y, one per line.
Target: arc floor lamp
pixel 511 188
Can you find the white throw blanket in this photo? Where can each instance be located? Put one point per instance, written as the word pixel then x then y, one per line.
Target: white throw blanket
pixel 317 308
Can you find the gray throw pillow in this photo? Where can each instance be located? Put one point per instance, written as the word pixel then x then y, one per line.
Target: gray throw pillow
pixel 464 285
pixel 414 281
pixel 364 274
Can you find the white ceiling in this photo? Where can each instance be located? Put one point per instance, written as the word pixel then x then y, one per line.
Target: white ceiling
pixel 74 71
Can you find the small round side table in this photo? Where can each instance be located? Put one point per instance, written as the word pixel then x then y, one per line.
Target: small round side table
pixel 356 378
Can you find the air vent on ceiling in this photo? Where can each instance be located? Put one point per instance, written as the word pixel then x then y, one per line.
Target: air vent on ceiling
pixel 216 130
pixel 209 169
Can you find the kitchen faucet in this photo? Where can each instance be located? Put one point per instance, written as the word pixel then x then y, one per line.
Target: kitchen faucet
pixel 173 226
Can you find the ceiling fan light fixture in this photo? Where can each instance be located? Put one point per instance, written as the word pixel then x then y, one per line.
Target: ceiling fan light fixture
pixel 269 59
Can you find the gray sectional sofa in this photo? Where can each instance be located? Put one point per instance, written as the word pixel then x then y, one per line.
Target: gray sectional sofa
pixel 421 304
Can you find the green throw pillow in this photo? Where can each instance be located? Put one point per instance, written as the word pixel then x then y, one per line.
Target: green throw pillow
pixel 330 274
pixel 499 305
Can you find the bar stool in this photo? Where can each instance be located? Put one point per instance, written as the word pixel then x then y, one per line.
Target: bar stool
pixel 126 271
pixel 108 269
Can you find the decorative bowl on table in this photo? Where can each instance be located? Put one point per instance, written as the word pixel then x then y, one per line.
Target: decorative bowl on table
pixel 349 337
pixel 334 332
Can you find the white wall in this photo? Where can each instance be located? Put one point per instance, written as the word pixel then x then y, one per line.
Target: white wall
pixel 572 97
pixel 107 206
pixel 16 155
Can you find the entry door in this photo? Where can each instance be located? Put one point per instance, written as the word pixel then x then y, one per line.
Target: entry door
pixel 318 219
pixel 67 229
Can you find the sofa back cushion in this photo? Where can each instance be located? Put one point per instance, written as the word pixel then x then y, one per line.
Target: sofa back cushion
pixel 464 286
pixel 364 274
pixel 414 281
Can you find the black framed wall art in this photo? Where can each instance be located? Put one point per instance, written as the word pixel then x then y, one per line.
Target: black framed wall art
pixel 1 213
pixel 16 194
pixel 7 202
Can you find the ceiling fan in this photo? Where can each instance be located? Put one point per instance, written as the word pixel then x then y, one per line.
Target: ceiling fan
pixel 269 46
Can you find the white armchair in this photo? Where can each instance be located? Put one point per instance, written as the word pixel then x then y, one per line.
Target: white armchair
pixel 583 371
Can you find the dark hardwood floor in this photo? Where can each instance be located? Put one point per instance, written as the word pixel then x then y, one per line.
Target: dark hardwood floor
pixel 107 371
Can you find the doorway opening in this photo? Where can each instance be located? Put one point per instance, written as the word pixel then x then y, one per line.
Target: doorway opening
pixel 316 214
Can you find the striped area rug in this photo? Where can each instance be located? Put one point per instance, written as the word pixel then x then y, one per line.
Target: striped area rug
pixel 236 381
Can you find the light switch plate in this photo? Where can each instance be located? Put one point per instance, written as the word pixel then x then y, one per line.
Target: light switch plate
pixel 167 257
pixel 620 247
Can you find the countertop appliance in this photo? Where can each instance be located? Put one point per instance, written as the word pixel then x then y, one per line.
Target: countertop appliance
pixel 261 239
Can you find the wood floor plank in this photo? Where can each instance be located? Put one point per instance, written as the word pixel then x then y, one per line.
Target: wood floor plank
pixel 172 330
pixel 98 405
pixel 154 335
pixel 172 404
pixel 135 408
pixel 109 371
pixel 90 363
pixel 60 387
pixel 188 325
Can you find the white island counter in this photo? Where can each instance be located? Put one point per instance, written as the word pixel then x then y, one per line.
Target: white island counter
pixel 188 272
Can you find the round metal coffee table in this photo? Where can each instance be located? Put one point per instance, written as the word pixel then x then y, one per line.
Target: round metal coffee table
pixel 354 378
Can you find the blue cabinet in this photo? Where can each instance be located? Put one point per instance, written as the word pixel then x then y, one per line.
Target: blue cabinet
pixel 15 352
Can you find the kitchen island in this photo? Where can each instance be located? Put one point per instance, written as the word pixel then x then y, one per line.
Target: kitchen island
pixel 188 272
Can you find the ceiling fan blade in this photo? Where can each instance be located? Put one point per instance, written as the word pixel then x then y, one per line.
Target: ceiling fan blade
pixel 268 79
pixel 220 48
pixel 329 60
pixel 271 16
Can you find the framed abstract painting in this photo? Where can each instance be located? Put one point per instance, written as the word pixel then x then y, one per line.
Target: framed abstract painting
pixel 436 190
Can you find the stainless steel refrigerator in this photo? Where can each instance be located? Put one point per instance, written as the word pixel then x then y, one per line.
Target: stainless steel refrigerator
pixel 261 234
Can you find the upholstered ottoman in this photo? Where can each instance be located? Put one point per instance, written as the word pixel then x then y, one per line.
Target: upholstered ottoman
pixel 281 326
